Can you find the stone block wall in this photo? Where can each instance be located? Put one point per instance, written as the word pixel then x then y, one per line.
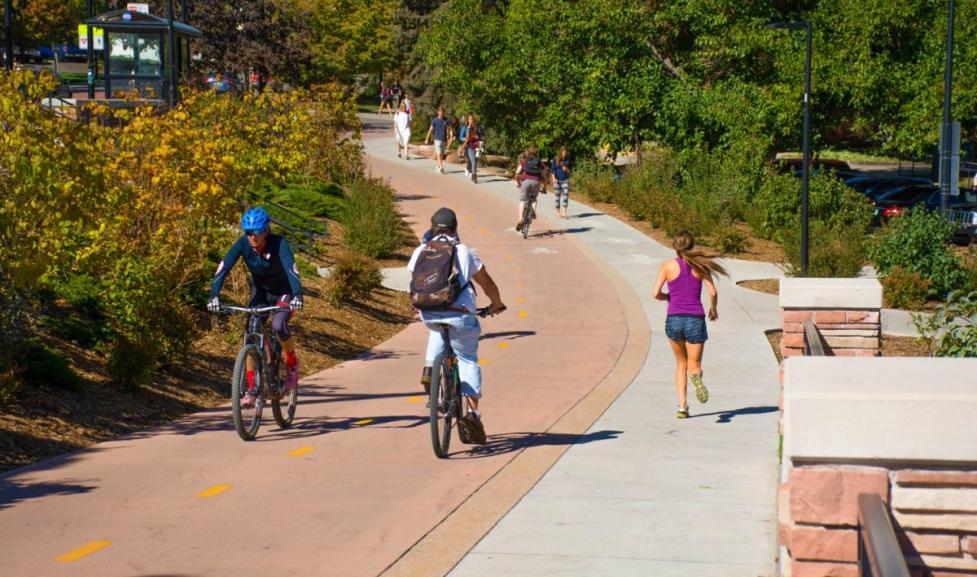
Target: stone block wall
pixel 934 510
pixel 901 428
pixel 847 313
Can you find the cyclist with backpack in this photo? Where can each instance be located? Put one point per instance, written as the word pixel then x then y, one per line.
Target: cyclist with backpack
pixel 442 272
pixel 274 280
pixel 529 175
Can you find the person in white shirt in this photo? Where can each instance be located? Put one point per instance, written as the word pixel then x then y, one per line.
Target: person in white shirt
pixel 402 130
pixel 461 316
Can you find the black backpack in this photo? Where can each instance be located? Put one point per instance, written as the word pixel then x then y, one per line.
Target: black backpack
pixel 532 165
pixel 434 283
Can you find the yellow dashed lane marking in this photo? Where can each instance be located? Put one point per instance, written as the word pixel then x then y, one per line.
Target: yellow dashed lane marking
pixel 415 399
pixel 484 361
pixel 83 551
pixel 523 314
pixel 302 451
pixel 363 422
pixel 483 229
pixel 468 217
pixel 517 269
pixel 508 257
pixel 521 300
pixel 520 285
pixel 503 345
pixel 215 490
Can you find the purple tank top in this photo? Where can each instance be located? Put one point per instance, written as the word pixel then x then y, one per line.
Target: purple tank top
pixel 685 292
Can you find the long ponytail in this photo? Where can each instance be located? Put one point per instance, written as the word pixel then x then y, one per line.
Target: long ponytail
pixel 703 265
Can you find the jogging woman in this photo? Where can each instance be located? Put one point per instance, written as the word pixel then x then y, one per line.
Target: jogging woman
pixel 685 325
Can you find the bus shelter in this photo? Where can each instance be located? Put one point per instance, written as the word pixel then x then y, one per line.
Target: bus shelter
pixel 136 53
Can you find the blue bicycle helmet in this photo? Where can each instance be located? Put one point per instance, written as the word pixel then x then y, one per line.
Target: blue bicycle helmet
pixel 255 219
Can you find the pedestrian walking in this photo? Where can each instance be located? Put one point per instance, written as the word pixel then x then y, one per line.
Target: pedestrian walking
pixel 409 106
pixel 438 129
pixel 560 177
pixel 402 131
pixel 685 323
pixel 397 92
pixel 471 143
pixel 454 127
pixel 386 96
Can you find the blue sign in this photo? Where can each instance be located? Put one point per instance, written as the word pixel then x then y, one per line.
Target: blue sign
pixel 127 16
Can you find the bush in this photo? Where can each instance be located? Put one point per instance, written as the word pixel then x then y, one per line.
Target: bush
pixel 729 240
pixel 905 289
pixel 131 364
pixel 313 198
pixel 371 219
pixel 833 252
pixel 776 208
pixel 43 366
pixel 596 181
pixel 353 277
pixel 954 324
pixel 919 243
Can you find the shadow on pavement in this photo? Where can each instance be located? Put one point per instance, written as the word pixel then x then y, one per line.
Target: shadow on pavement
pixel 413 196
pixel 509 335
pixel 509 442
pixel 312 427
pixel 561 231
pixel 13 491
pixel 727 416
pixel 586 214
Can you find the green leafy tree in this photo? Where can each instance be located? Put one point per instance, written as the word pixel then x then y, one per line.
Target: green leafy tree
pixel 351 37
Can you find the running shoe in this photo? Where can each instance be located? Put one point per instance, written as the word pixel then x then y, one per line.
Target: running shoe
pixel 519 226
pixel 426 379
pixel 682 413
pixel 701 392
pixel 475 429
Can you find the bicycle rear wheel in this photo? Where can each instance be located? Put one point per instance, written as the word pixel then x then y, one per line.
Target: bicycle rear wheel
pixel 247 419
pixel 442 408
pixel 527 218
pixel 283 407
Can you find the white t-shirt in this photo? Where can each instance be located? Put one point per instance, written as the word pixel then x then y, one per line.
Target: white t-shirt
pixel 402 122
pixel 467 264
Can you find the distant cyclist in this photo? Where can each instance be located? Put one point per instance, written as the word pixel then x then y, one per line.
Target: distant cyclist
pixel 529 176
pixel 459 313
pixel 274 281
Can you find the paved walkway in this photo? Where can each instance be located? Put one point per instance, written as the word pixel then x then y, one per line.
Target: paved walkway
pixel 655 496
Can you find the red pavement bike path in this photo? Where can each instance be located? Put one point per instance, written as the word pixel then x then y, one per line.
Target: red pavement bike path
pixel 354 484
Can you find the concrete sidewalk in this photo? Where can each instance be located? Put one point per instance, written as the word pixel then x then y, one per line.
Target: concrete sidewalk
pixel 663 497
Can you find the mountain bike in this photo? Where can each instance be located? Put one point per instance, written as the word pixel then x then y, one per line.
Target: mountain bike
pixel 270 372
pixel 528 215
pixel 446 402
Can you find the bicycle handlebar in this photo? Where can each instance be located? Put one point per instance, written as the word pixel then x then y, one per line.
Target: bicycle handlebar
pixel 227 309
pixel 484 311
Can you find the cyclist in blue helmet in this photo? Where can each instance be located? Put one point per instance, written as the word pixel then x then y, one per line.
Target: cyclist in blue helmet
pixel 274 280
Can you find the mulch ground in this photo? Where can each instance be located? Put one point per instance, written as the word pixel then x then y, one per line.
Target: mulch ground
pixel 46 421
pixel 892 346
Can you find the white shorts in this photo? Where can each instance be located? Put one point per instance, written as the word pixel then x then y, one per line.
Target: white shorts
pixel 439 147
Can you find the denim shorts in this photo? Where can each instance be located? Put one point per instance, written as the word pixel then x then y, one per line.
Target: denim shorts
pixel 688 328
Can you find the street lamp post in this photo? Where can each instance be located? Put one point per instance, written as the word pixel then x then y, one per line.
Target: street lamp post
pixel 8 32
pixel 946 153
pixel 171 67
pixel 806 161
pixel 90 78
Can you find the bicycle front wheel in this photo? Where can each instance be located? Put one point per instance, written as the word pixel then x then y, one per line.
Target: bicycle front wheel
pixel 283 406
pixel 442 409
pixel 247 417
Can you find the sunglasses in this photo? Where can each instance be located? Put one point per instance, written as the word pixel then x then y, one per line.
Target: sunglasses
pixel 255 232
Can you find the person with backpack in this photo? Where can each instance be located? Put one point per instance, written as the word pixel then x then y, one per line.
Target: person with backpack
pixel 685 323
pixel 442 272
pixel 560 175
pixel 471 143
pixel 397 92
pixel 529 175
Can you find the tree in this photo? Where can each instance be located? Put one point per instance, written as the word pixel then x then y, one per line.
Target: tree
pixel 45 22
pixel 350 37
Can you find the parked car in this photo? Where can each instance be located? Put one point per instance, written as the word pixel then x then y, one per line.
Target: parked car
pixel 219 83
pixel 964 215
pixel 872 186
pixel 899 200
